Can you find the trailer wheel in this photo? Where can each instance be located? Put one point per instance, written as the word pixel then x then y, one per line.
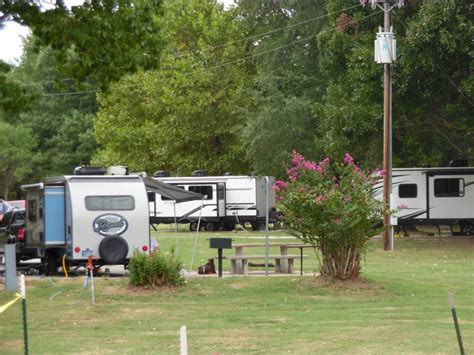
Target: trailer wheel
pixel 210 227
pixel 113 250
pixel 467 228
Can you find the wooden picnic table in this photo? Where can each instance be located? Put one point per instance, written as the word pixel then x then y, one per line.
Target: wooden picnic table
pixel 284 262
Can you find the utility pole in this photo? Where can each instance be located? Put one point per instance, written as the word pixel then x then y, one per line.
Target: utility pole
pixel 385 53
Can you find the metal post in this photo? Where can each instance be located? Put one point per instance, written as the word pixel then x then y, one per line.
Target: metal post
pixel 387 138
pixel 183 341
pixel 23 301
pixel 10 267
pixel 219 257
pixel 456 323
pixel 267 242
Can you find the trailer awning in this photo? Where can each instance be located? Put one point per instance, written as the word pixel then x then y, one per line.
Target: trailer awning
pixel 170 191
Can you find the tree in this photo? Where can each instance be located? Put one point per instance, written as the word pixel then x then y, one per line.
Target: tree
pixel 102 39
pixel 13 97
pixel 432 109
pixel 186 115
pixel 16 155
pixel 435 119
pixel 288 81
pixel 60 121
pixel 330 206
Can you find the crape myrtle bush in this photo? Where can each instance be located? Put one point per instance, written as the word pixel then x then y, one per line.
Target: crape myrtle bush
pixel 157 269
pixel 330 205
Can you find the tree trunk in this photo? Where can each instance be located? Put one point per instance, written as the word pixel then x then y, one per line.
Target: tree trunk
pixel 343 264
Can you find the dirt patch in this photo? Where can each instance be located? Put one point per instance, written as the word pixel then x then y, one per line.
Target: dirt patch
pixel 332 283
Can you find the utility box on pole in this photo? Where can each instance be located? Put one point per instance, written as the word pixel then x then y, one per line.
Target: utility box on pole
pixel 385 48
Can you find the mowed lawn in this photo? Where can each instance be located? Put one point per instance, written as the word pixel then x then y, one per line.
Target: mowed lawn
pixel 400 306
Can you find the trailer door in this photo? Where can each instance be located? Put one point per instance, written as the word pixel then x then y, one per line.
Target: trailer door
pixel 221 199
pixel 54 215
pixel 449 198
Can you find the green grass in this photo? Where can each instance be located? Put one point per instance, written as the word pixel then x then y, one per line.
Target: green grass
pixel 400 307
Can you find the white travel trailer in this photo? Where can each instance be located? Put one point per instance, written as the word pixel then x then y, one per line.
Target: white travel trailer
pixel 433 196
pixel 105 217
pixel 228 200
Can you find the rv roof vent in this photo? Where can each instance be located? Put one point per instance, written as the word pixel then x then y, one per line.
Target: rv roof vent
pixel 89 170
pixel 458 163
pixel 117 170
pixel 162 173
pixel 200 173
pixel 227 173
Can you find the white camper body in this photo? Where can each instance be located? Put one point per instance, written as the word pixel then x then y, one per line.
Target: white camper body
pixel 103 217
pixel 228 200
pixel 432 196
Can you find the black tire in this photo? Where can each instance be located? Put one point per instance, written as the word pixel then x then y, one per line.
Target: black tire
pixel 113 250
pixel 210 227
pixel 467 228
pixel 193 226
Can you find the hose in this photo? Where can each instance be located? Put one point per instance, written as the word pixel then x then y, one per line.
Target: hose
pixel 64 266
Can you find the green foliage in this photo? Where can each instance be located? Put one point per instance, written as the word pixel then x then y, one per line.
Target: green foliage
pixel 157 269
pixel 16 155
pixel 287 83
pixel 103 39
pixel 432 104
pixel 186 115
pixel 61 124
pixel 14 98
pixel 331 206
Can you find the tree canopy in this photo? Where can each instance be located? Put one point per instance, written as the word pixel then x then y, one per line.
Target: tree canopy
pixel 184 85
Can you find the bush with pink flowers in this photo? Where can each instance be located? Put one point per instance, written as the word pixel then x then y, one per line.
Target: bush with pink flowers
pixel 330 205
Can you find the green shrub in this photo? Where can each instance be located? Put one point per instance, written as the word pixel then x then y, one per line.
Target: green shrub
pixel 158 269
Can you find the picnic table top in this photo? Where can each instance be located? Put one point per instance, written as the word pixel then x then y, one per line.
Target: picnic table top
pixel 288 245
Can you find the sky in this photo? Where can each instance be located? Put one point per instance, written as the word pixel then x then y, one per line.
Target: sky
pixel 11 36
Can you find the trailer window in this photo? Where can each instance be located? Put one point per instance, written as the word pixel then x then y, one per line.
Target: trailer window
pixel 110 203
pixel 203 190
pixel 449 187
pixel 31 210
pixel 408 191
pixel 151 196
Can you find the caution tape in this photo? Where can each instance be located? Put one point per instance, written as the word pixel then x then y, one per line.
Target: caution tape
pixel 9 304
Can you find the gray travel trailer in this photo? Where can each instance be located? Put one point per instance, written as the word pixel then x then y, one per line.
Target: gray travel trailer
pixel 442 197
pixel 228 200
pixel 105 217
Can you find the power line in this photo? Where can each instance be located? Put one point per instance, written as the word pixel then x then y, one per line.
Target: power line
pixel 229 62
pixel 212 48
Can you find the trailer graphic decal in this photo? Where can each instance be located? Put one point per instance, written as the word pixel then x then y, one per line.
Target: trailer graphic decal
pixel 110 224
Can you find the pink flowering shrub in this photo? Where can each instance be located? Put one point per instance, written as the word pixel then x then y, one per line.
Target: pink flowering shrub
pixel 330 206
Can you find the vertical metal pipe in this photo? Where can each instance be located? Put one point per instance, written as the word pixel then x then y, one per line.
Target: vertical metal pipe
pixel 267 242
pixel 456 322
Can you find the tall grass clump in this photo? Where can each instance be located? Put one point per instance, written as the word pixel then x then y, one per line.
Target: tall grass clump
pixel 158 269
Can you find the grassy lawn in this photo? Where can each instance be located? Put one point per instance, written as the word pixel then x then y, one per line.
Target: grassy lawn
pixel 399 307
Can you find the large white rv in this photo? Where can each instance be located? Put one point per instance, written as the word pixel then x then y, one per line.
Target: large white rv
pixel 433 196
pixel 228 200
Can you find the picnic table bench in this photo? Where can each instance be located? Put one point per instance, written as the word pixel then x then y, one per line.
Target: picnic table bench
pixel 284 263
